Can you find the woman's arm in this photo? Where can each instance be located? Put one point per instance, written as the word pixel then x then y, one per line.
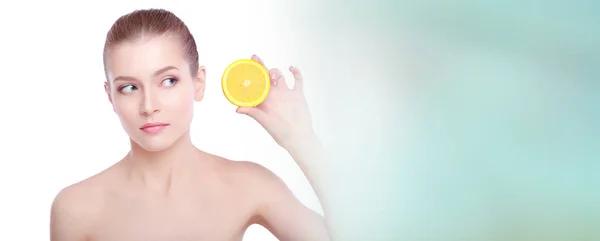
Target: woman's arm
pixel 277 209
pixel 285 115
pixel 311 157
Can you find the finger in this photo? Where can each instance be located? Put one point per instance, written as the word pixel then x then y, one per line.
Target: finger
pixel 259 60
pixel 298 79
pixel 255 113
pixel 277 78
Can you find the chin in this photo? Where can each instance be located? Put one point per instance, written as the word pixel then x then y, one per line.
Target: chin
pixel 155 144
pixel 156 147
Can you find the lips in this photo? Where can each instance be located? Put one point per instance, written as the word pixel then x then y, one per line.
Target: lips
pixel 154 127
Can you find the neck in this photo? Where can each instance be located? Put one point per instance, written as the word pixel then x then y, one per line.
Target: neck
pixel 155 169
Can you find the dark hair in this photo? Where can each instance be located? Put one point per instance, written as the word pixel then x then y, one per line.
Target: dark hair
pixel 151 22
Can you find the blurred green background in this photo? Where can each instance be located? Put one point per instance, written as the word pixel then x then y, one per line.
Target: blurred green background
pixel 461 120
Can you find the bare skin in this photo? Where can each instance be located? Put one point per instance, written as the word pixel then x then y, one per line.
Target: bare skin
pixel 167 189
pixel 205 198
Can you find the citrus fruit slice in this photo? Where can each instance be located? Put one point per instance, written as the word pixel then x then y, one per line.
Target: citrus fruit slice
pixel 246 83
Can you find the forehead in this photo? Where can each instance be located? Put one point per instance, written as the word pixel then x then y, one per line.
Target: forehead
pixel 140 58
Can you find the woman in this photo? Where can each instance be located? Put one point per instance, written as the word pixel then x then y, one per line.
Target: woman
pixel 165 188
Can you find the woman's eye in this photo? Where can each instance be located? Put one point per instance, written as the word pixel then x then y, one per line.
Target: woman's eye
pixel 168 82
pixel 127 88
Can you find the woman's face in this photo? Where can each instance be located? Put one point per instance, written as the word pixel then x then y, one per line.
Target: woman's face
pixel 152 90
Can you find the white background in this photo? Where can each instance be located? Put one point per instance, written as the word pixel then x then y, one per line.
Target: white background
pixel 496 132
pixel 58 127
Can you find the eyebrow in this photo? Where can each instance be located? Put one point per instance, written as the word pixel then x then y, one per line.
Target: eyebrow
pixel 156 73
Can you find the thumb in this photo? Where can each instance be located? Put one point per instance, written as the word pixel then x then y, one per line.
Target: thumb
pixel 256 113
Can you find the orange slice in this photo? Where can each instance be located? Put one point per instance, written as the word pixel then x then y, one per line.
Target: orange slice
pixel 246 83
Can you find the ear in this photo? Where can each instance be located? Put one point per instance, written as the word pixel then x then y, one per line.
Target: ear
pixel 107 91
pixel 200 83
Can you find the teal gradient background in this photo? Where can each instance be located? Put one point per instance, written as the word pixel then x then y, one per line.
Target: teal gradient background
pixel 447 120
pixel 461 120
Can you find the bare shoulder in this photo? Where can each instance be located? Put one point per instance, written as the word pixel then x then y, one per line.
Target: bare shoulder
pixel 248 174
pixel 80 199
pixel 74 209
pixel 254 182
pixel 272 203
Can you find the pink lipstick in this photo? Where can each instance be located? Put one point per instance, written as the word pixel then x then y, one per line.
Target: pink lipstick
pixel 153 127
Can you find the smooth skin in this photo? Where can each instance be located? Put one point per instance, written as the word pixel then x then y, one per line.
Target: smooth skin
pixel 167 189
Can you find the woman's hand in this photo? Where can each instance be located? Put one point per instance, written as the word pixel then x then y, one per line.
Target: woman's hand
pixel 284 114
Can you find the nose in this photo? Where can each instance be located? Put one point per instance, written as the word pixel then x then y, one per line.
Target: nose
pixel 148 105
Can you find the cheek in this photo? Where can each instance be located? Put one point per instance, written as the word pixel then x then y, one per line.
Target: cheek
pixel 180 101
pixel 127 110
pixel 182 107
